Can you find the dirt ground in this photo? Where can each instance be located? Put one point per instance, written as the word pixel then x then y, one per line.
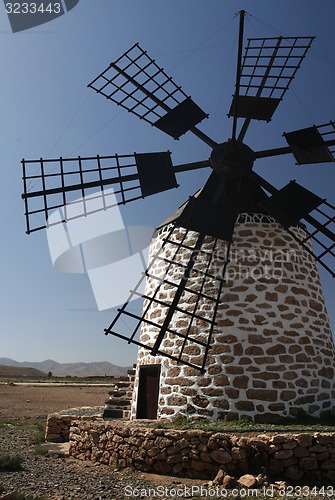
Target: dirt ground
pixel 25 401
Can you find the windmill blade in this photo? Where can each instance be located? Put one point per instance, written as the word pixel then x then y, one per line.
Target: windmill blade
pixel 269 65
pixel 294 203
pixel 309 145
pixel 291 203
pixel 181 282
pixel 136 83
pixel 76 186
pixel 238 74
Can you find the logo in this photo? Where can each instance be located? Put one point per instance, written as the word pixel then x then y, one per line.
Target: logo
pixel 24 15
pixel 99 245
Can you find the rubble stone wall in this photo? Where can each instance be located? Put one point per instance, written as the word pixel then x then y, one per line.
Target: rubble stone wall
pixel 58 424
pixel 302 457
pixel 272 354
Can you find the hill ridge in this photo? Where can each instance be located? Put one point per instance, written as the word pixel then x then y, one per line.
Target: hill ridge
pixel 94 368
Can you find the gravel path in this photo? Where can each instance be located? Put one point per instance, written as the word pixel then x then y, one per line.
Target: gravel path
pixel 67 479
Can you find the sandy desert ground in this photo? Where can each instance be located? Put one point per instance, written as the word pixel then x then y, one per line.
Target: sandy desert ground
pixel 26 401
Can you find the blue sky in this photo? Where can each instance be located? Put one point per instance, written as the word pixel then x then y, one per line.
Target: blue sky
pixel 47 111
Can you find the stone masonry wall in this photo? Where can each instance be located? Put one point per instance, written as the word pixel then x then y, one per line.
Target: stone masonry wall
pixel 198 454
pixel 272 353
pixel 58 424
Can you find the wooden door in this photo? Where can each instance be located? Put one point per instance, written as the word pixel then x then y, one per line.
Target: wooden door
pixel 148 391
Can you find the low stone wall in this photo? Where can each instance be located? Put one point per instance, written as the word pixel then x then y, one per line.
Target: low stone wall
pixel 58 424
pixel 198 454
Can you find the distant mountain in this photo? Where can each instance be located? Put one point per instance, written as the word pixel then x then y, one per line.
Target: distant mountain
pixel 99 368
pixel 20 371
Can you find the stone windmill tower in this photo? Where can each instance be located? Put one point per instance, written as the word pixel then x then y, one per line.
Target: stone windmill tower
pixel 233 322
pixel 271 351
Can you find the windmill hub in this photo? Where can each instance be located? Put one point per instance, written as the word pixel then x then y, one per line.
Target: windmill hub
pixel 232 158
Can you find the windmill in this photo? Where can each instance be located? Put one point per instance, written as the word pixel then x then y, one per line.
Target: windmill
pixel 199 330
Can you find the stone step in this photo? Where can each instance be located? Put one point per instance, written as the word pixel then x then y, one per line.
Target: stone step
pixel 120 396
pixel 112 402
pixel 117 394
pixel 108 413
pixel 116 409
pixel 122 385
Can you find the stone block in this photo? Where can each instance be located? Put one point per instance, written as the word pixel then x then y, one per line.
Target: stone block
pixel 259 384
pixel 234 370
pixel 328 465
pixel 234 312
pixel 326 372
pixel 283 454
pixel 226 360
pixel 205 457
pixel 232 393
pixel 214 370
pixel 223 404
pixel 315 305
pixel 289 445
pixel 275 467
pixel 200 401
pixel 262 394
pixel 238 350
pixel 243 321
pixel 221 456
pixel 317 448
pixel 230 297
pixel 301 451
pixel 176 400
pixel 238 453
pixel 172 450
pixel 192 350
pixel 324 439
pixel 152 452
pixel 211 392
pixel 248 481
pixel 303 400
pixel 277 407
pixel 271 296
pixel 174 459
pixel 257 339
pixel 250 297
pixel 265 360
pixel 309 463
pixel 293 473
pixel 323 456
pixel 245 405
pixel 217 349
pixel 276 349
pixel 254 351
pixel 241 382
pixel 197 465
pixel 328 475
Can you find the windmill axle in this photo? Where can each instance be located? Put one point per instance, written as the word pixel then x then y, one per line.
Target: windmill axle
pixel 232 158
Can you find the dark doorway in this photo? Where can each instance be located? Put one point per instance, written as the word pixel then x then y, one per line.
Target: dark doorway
pixel 148 389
